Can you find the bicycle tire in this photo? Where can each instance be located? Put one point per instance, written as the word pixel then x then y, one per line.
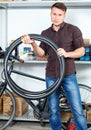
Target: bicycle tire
pixel 85 92
pixel 31 94
pixel 6 120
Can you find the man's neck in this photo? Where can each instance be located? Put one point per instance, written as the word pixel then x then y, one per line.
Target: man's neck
pixel 56 27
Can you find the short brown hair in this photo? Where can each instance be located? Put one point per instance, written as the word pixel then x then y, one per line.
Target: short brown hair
pixel 59 5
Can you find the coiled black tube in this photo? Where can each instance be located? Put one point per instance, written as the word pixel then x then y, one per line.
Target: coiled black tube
pixel 30 94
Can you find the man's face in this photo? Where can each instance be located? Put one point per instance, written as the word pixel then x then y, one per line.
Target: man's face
pixel 57 16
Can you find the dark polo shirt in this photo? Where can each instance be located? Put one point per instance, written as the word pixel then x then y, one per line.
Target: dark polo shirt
pixel 68 37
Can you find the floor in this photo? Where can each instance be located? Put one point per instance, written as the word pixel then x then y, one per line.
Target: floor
pixel 28 126
pixel 21 125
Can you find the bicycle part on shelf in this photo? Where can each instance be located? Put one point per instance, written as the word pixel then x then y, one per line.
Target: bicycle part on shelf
pixel 16 88
pixel 6 120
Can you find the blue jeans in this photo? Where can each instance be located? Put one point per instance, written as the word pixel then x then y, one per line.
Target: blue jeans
pixel 72 93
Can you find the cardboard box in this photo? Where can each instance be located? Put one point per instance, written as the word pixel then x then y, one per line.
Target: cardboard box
pixel 7 105
pixel 65 115
pixel 88 116
pixel 21 105
pixel 86 42
pixel 1 104
pixel 88 112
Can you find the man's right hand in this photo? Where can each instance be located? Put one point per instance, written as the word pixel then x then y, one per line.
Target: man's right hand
pixel 26 39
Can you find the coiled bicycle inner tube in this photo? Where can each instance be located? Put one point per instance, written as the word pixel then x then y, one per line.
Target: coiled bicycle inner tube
pixel 8 71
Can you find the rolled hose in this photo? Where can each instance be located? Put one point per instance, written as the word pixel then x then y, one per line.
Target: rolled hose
pixel 30 94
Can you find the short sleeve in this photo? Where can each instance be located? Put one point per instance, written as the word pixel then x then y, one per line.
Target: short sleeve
pixel 77 37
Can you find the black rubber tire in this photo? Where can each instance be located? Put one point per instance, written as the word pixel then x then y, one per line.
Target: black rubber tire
pixel 85 92
pixel 31 94
pixel 5 121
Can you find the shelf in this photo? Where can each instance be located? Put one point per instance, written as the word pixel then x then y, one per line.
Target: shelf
pixel 83 62
pixel 33 62
pixel 45 61
pixel 44 4
pixel 41 4
pixel 28 116
pixel 29 61
pixel 36 61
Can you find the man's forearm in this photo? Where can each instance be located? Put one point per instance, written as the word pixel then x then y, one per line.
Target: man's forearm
pixel 38 50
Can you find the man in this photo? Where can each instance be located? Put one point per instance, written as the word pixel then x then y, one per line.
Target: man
pixel 69 40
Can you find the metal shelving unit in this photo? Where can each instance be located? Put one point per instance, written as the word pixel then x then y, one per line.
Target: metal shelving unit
pixel 28 116
pixel 82 62
pixel 42 4
pixel 45 61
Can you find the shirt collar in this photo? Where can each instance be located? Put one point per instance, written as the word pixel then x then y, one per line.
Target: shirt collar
pixel 61 26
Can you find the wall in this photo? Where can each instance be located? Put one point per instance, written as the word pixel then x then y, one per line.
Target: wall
pixel 35 20
pixel 23 21
pixel 3 32
pixel 27 21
